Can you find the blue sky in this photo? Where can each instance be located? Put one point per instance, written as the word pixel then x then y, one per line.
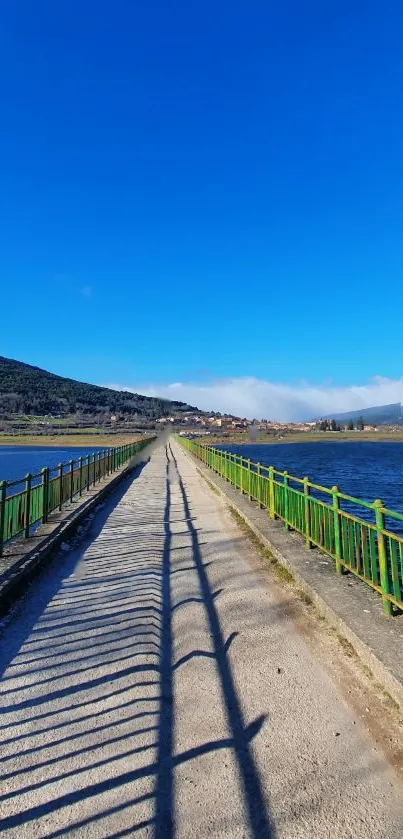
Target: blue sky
pixel 199 193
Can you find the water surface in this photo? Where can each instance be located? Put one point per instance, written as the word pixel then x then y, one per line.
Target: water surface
pixel 364 470
pixel 16 461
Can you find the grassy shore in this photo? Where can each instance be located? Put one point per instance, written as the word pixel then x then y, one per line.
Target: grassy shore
pixel 64 441
pixel 308 437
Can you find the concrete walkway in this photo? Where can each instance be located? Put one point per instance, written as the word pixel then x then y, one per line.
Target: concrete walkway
pixel 153 686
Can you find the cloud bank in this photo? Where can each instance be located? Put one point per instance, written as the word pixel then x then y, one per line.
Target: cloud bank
pixel 251 397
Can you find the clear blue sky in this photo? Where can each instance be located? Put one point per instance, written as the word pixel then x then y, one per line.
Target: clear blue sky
pixel 202 189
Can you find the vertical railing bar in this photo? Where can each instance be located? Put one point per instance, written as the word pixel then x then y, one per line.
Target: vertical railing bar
pixel 71 473
pixel 45 494
pixel 3 496
pixel 27 505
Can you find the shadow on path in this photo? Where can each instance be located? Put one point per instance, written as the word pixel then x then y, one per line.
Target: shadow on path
pixel 95 648
pixel 242 735
pixel 49 581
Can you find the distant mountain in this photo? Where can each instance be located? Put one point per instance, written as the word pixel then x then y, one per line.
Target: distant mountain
pixel 379 415
pixel 29 390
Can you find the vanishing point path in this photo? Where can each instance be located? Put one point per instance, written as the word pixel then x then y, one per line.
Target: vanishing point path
pixel 153 686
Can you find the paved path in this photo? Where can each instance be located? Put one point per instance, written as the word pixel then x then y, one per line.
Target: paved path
pixel 152 686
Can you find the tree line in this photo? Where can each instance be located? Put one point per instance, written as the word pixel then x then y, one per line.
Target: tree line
pixel 332 425
pixel 29 390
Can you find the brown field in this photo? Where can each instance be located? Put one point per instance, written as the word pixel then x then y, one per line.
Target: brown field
pixel 66 440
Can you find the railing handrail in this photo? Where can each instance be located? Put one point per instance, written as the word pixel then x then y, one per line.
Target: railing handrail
pixel 20 511
pixel 369 549
pixel 92 453
pixel 369 505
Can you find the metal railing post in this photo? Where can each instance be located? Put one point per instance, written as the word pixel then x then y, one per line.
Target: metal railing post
pixel 307 492
pixel 3 493
pixel 71 465
pixel 336 524
pixel 60 468
pixel 272 512
pixel 87 463
pixel 383 565
pixel 27 505
pixel 249 480
pixel 80 476
pixel 286 500
pixel 45 494
pixel 260 484
pixel 323 524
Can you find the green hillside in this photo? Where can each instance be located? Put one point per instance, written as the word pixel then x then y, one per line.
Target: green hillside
pixel 29 390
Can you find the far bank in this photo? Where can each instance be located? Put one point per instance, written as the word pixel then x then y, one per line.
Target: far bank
pixel 102 441
pixel 305 437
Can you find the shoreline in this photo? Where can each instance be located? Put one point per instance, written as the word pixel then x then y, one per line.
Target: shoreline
pixel 75 441
pixel 324 437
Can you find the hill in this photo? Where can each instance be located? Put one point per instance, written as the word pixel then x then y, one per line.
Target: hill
pixel 379 415
pixel 30 390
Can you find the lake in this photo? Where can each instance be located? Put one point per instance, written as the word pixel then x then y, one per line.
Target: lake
pixel 364 470
pixel 16 461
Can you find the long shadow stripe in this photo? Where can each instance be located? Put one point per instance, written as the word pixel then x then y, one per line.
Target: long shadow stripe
pixel 260 825
pixel 164 788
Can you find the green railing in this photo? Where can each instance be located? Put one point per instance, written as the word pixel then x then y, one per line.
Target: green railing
pixel 48 490
pixel 362 538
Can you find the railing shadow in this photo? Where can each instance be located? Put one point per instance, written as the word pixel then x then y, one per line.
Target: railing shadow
pixel 96 713
pixel 75 664
pixel 255 803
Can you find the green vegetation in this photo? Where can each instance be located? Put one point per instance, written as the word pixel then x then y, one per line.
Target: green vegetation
pixel 329 425
pixel 31 391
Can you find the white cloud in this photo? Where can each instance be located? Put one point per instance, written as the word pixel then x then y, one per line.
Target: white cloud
pixel 250 397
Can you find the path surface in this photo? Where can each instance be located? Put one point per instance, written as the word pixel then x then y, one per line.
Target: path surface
pixel 152 686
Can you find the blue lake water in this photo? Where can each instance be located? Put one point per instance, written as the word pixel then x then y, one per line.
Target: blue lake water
pixel 17 461
pixel 364 470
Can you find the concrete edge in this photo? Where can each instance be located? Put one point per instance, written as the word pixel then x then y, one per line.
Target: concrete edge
pixel 379 669
pixel 18 577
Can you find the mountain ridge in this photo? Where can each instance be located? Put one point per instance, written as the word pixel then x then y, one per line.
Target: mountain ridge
pixel 377 415
pixel 26 389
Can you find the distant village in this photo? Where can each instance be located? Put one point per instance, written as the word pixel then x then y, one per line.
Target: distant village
pixel 202 424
